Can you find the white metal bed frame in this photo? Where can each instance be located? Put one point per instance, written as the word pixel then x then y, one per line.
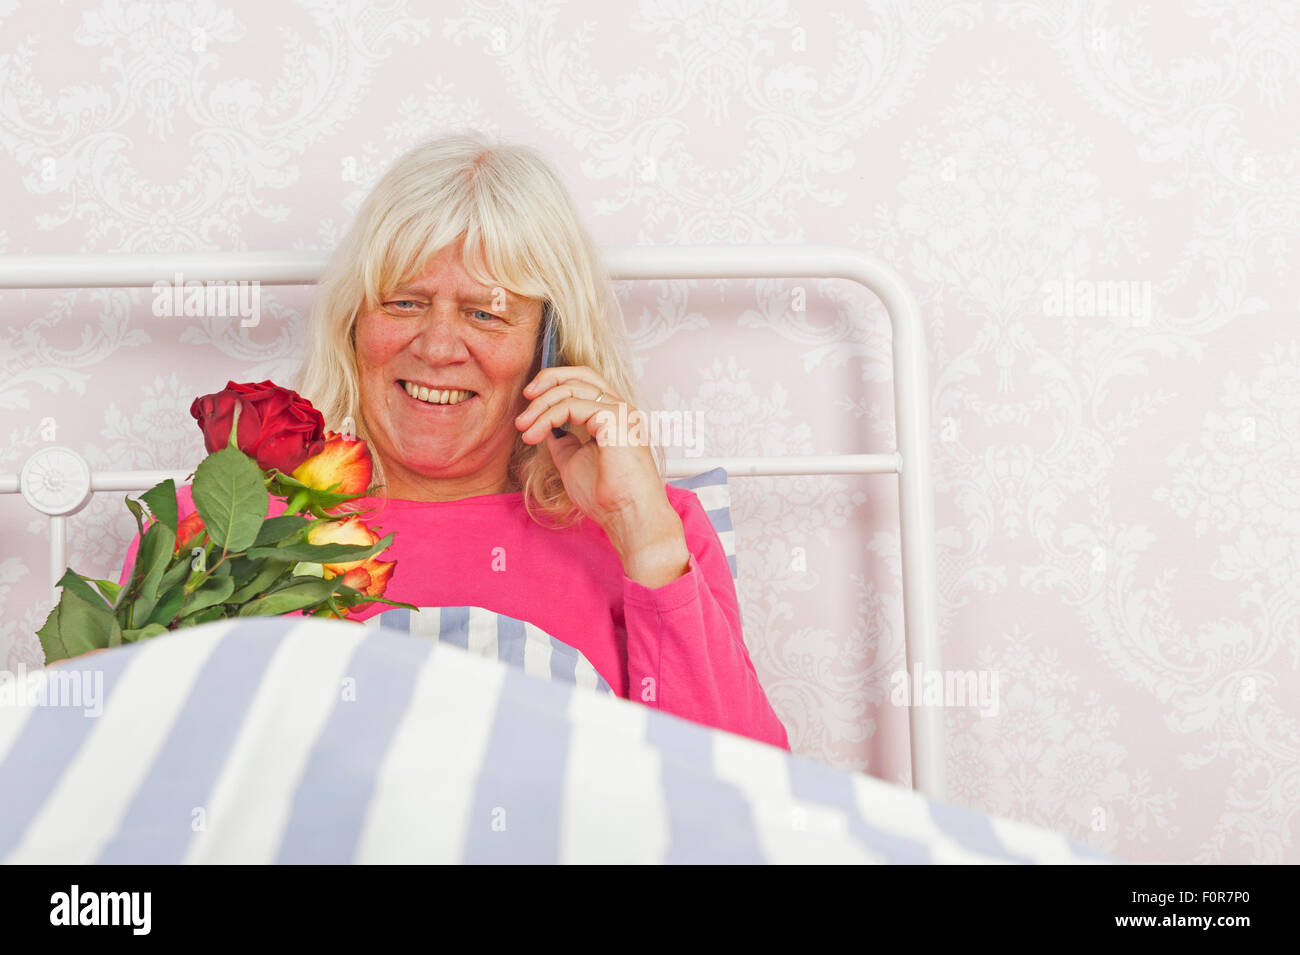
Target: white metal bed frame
pixel 58 481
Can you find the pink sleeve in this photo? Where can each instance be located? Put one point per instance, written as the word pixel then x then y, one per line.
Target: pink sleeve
pixel 686 654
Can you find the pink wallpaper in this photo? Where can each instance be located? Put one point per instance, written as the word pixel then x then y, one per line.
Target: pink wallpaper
pixel 1094 204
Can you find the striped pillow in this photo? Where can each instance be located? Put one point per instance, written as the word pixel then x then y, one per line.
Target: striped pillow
pixel 712 490
pixel 486 633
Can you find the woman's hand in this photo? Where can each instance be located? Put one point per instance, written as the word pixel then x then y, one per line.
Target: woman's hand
pixel 611 475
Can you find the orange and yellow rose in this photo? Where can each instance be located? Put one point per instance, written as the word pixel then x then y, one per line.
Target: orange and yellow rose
pixel 370 576
pixel 189 528
pixel 344 461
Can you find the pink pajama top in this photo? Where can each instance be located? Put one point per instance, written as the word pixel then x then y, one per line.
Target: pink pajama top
pixel 676 648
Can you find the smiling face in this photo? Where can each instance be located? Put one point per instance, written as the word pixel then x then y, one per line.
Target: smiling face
pixel 445 332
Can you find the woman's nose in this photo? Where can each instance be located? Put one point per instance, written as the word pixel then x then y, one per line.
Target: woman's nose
pixel 440 333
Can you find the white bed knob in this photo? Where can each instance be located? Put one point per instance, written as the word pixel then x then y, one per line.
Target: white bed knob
pixel 56 481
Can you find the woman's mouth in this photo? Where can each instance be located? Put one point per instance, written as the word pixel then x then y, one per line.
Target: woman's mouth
pixel 437 397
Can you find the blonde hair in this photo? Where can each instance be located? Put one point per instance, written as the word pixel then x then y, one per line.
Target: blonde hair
pixel 521 231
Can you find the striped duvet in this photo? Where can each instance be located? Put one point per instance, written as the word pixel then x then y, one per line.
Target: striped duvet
pixel 290 740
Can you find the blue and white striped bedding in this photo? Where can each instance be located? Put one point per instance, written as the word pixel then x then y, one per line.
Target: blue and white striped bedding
pixel 283 739
pixel 715 495
pixel 486 633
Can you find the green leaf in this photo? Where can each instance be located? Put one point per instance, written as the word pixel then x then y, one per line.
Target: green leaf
pixel 143 633
pixel 215 590
pixel 326 499
pixel 231 497
pixel 138 511
pixel 75 627
pixel 280 479
pixel 161 499
pixel 107 588
pixel 391 603
pixel 169 604
pixel 322 553
pixel 176 574
pixel 349 597
pixel 137 569
pixel 262 581
pixel 242 569
pixel 204 616
pixel 73 581
pixel 155 555
pixel 301 593
pixel 323 514
pixel 286 486
pixel 280 528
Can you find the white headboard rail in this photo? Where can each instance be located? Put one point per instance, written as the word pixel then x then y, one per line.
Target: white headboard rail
pixel 58 482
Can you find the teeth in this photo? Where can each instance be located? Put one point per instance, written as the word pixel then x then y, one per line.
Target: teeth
pixel 434 396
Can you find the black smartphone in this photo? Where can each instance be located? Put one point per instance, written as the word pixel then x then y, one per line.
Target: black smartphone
pixel 551 353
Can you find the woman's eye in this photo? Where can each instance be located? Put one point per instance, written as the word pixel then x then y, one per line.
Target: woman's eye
pixel 479 311
pixel 404 305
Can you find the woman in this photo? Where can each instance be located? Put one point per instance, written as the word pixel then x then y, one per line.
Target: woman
pixel 426 340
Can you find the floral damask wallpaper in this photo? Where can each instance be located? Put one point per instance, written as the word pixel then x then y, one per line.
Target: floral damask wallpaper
pixel 1095 204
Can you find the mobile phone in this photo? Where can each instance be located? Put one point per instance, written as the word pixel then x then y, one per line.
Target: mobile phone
pixel 550 353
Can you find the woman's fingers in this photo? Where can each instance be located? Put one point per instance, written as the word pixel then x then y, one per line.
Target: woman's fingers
pixel 568 409
pixel 555 385
pixel 578 375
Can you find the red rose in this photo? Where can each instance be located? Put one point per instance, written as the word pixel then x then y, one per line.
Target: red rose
pixel 277 427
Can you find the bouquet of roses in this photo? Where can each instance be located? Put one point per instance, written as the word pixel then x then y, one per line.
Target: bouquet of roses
pixel 228 559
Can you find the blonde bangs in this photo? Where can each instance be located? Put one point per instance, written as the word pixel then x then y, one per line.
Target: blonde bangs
pixel 399 253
